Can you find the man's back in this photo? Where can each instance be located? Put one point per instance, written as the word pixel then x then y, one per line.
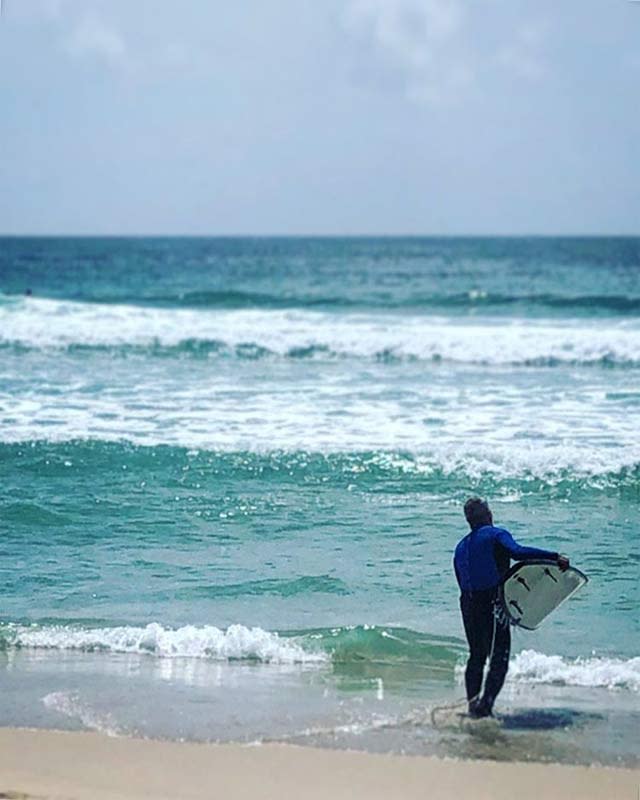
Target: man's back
pixel 482 557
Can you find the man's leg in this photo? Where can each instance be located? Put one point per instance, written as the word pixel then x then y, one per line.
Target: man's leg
pixel 499 663
pixel 475 630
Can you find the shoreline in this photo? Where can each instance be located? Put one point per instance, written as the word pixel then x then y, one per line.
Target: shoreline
pixel 64 765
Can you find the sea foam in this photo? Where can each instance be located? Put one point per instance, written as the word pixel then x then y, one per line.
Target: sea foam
pixel 39 323
pixel 596 672
pixel 529 666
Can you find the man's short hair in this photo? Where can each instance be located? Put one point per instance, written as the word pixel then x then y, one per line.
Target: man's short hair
pixel 477 512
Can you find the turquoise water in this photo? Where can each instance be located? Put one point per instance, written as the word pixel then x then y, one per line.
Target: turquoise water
pixel 233 472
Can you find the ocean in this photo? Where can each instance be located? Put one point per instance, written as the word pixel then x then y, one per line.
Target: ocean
pixel 233 472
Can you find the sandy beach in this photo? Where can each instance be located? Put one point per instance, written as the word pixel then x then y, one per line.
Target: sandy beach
pixel 66 766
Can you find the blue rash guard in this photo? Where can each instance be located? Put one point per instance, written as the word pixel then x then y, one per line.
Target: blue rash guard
pixel 483 556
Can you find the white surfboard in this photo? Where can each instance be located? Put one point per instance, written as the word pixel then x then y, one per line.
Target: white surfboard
pixel 531 590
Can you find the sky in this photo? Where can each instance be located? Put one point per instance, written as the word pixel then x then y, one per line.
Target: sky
pixel 436 117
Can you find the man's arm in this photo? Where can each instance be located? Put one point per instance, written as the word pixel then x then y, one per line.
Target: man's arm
pixel 520 553
pixel 455 569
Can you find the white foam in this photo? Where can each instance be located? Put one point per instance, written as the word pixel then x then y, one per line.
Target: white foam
pixel 51 323
pixel 190 641
pixel 519 427
pixel 576 436
pixel 241 643
pixel 529 666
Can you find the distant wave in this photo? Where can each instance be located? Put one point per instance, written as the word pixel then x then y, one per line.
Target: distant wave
pixel 252 351
pixel 470 301
pixel 375 644
pixel 246 334
pixel 621 304
pixel 234 299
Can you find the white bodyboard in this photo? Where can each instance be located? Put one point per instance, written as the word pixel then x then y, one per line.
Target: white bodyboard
pixel 531 590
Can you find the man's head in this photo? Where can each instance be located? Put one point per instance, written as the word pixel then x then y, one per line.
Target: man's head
pixel 477 512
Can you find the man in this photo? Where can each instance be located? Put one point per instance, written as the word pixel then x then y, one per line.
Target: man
pixel 480 561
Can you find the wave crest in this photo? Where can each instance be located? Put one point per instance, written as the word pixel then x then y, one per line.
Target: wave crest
pixel 233 644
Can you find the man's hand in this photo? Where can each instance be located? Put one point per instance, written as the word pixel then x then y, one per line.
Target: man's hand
pixel 563 563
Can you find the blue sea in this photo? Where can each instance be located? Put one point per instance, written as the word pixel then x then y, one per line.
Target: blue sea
pixel 232 473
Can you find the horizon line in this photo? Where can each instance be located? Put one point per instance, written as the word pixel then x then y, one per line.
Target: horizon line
pixel 600 235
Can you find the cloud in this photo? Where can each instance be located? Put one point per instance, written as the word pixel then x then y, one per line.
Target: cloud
pixel 91 37
pixel 140 55
pixel 416 39
pixel 522 56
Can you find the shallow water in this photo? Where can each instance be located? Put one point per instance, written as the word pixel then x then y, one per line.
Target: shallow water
pixel 233 473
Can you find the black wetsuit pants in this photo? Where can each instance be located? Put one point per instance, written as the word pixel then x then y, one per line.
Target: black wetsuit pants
pixel 488 637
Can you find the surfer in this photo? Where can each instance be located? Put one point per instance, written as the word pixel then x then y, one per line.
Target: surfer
pixel 481 559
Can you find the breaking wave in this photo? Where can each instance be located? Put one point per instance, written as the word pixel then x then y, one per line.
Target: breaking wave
pixel 529 666
pixel 330 646
pixel 236 643
pixel 129 330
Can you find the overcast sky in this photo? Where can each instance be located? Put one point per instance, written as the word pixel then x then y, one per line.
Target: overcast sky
pixel 320 116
